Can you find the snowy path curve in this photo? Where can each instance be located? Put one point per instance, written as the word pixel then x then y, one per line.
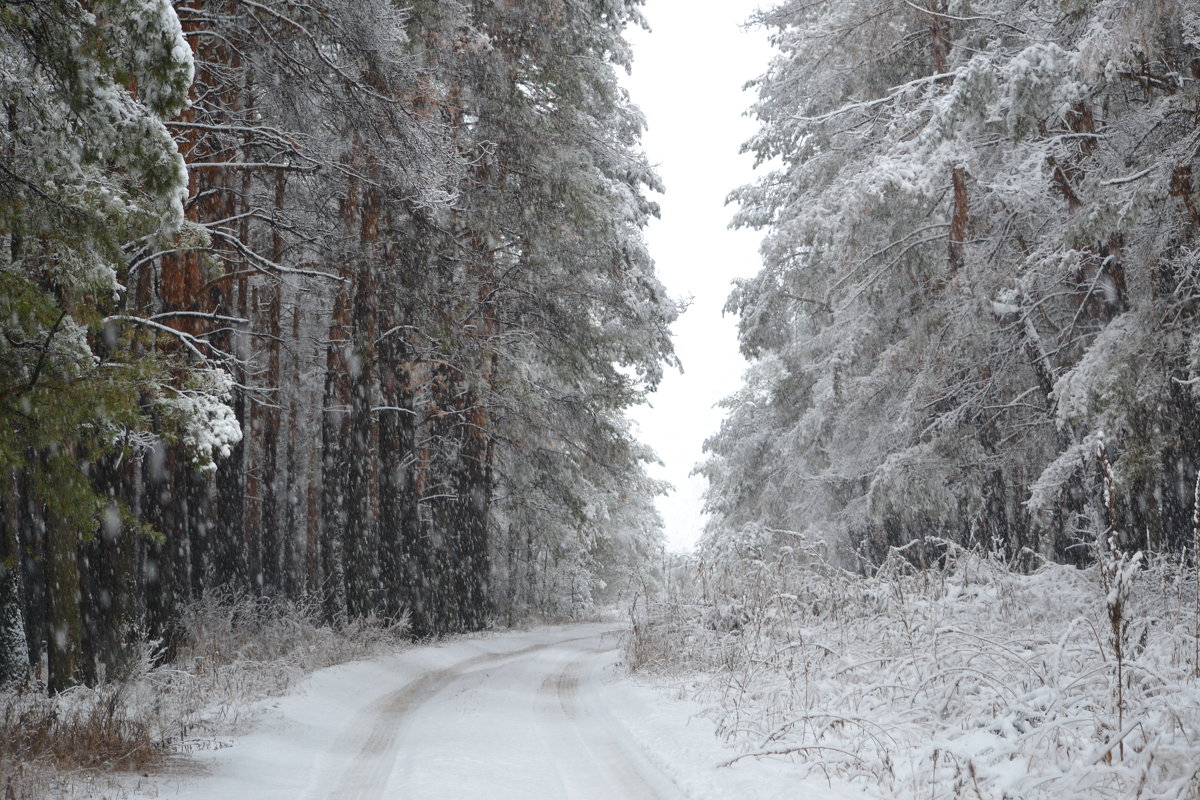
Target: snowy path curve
pixel 520 724
pixel 545 713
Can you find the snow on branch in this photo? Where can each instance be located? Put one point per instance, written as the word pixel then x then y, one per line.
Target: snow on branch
pixel 1046 491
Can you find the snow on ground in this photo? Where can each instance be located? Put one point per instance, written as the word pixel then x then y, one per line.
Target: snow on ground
pixel 545 713
pixel 947 674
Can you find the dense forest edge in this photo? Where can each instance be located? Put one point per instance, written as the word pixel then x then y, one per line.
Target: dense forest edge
pixel 337 304
pixel 319 320
pixel 955 506
pixel 979 269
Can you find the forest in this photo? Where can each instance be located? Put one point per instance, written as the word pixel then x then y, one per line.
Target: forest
pixel 323 300
pixel 955 505
pixel 340 306
pixel 980 264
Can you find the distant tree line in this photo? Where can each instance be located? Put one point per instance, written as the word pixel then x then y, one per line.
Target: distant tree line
pixel 982 227
pixel 336 299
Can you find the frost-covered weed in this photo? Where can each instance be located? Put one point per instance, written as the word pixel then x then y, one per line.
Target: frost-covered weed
pixel 239 649
pixel 235 651
pixel 962 679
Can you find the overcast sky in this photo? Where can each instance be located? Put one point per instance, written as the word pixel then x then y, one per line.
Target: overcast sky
pixel 688 74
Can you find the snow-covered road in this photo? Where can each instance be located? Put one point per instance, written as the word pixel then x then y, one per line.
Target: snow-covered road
pixel 535 714
pixel 521 724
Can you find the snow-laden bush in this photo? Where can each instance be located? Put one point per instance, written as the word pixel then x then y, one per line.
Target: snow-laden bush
pixel 962 679
pixel 239 649
pixel 234 651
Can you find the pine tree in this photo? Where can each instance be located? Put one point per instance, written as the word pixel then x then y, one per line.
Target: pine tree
pixel 325 300
pixel 88 168
pixel 975 226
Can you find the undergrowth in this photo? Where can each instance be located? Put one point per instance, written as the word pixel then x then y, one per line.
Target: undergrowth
pixel 961 679
pixel 234 651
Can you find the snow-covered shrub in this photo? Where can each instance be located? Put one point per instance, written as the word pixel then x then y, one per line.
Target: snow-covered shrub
pixel 235 651
pixel 964 679
pixel 60 746
pixel 239 649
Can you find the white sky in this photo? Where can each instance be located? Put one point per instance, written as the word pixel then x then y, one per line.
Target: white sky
pixel 688 74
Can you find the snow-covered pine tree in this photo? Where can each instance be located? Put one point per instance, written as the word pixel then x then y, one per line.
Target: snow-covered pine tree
pixel 578 323
pixel 87 169
pixel 978 243
pixel 407 266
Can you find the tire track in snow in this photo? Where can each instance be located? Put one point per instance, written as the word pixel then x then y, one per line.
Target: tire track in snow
pixel 603 739
pixel 367 776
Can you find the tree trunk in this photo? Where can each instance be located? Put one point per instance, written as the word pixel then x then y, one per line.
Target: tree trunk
pixel 110 615
pixel 14 648
pixel 959 219
pixel 63 622
pixel 335 465
pixel 360 533
pixel 399 521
